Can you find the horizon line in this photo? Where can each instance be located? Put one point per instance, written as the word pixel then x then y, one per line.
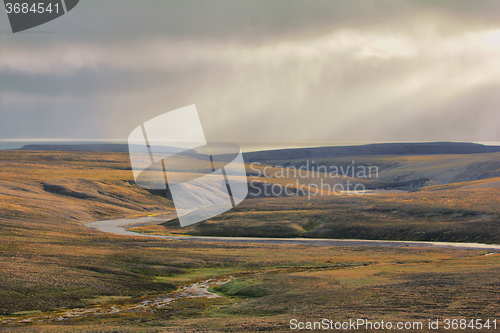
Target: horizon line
pixel 250 146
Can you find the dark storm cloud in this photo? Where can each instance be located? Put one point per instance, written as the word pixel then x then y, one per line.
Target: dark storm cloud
pixel 88 83
pixel 259 70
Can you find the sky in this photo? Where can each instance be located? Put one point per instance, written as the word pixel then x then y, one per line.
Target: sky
pixel 278 73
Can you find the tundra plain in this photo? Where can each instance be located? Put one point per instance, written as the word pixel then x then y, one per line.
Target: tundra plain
pixel 52 264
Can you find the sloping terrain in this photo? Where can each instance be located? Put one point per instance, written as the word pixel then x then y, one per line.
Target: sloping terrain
pixel 462 212
pixel 442 169
pixel 423 148
pixel 81 187
pixel 53 265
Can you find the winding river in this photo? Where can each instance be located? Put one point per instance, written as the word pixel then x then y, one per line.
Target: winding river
pixel 118 227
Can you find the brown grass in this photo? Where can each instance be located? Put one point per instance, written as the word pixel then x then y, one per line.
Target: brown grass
pixel 50 261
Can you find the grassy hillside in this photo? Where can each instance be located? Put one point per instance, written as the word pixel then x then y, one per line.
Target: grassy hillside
pixel 418 148
pixel 442 169
pixel 464 212
pixel 51 263
pixel 73 185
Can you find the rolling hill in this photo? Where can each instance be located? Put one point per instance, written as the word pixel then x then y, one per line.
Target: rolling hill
pixel 424 148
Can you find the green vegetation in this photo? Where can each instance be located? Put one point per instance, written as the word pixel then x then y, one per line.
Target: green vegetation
pixel 466 212
pixel 51 263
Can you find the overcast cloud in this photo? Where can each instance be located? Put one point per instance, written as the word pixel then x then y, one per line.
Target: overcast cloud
pixel 260 71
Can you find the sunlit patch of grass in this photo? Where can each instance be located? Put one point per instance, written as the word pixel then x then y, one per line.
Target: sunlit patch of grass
pixel 243 288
